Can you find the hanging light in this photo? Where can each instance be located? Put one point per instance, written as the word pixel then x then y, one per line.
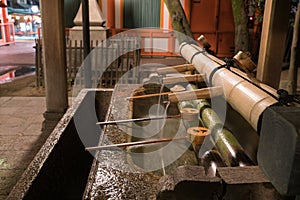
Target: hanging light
pixel 2 5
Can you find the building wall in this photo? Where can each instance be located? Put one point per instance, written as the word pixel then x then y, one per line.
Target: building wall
pixel 212 18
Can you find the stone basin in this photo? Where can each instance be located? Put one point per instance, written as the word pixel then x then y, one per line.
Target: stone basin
pixel 119 174
pixel 61 167
pixel 64 170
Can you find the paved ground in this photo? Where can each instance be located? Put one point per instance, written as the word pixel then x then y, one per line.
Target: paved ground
pixel 21 120
pixel 20 137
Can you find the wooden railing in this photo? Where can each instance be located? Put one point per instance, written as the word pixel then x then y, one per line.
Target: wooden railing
pixel 7 33
pixel 154 42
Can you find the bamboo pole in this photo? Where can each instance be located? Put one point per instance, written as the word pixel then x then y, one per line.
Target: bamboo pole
pixel 137 120
pixel 148 96
pixel 225 142
pixel 246 98
pixel 176 69
pixel 184 79
pixel 244 61
pixel 211 160
pixel 243 96
pixel 128 144
pixel 175 97
pixel 205 93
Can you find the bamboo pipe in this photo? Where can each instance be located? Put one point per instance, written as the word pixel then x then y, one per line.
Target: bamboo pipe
pixel 198 137
pixel 175 97
pixel 176 69
pixel 148 96
pixel 137 120
pixel 204 42
pixel 244 61
pixel 211 160
pixel 250 77
pixel 187 114
pixel 184 79
pixel 205 93
pixel 128 144
pixel 173 80
pixel 246 98
pixel 225 142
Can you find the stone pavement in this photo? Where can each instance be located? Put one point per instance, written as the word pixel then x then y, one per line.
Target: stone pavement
pixel 21 137
pixel 21 120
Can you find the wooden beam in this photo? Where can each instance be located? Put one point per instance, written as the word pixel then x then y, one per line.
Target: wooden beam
pixel 54 52
pixel 275 27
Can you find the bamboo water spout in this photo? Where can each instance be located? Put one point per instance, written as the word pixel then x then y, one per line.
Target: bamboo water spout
pixel 225 142
pixel 184 78
pixel 246 98
pixel 137 120
pixel 175 97
pixel 128 144
pixel 176 69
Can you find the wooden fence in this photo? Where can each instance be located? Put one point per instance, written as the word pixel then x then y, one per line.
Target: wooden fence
pixel 113 61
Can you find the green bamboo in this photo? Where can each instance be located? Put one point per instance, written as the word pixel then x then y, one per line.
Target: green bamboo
pixel 225 142
pixel 210 161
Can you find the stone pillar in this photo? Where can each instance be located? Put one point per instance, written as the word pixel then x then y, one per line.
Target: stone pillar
pixel 97 29
pixel 275 27
pixel 54 54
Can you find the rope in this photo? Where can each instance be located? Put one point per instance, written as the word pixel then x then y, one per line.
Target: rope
pixel 286 99
pixel 227 65
pixel 283 99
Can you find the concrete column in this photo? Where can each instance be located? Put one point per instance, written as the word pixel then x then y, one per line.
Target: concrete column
pixel 275 27
pixel 54 54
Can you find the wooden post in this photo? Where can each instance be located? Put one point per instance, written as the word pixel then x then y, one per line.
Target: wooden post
pixel 5 20
pixel 54 51
pixel 111 14
pixel 275 26
pixel 86 43
pixel 295 56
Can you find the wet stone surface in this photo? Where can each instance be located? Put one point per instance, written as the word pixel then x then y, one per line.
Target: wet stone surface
pixel 113 174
